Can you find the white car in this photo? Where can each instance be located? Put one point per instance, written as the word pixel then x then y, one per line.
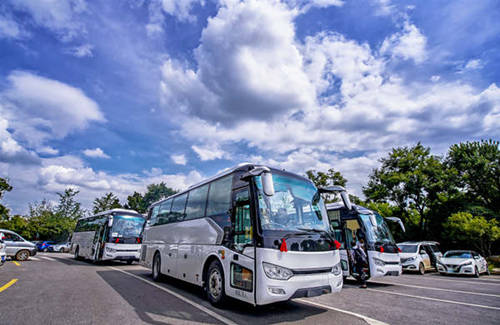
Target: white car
pixel 3 255
pixel 462 262
pixel 419 256
pixel 60 247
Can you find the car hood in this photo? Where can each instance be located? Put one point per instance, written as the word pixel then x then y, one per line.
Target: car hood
pixel 407 255
pixel 454 260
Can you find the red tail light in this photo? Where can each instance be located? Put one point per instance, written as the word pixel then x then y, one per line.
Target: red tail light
pixel 117 240
pixel 399 250
pixel 138 240
pixel 337 244
pixel 381 249
pixel 283 247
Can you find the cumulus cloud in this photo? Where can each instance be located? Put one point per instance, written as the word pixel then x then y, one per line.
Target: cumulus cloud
pixel 10 150
pixel 248 67
pixel 95 153
pixel 48 150
pixel 181 8
pixel 179 159
pixel 39 108
pixel 9 28
pixel 209 152
pixel 407 44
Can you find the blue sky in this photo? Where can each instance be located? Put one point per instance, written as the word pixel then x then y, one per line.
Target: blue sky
pixel 114 95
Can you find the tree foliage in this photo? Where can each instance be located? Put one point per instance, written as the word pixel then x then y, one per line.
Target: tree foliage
pixel 106 202
pixel 330 178
pixel 154 192
pixel 4 187
pixel 465 230
pixel 68 205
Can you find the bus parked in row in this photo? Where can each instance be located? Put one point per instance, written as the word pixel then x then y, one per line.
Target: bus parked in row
pixel 109 235
pixel 352 224
pixel 254 233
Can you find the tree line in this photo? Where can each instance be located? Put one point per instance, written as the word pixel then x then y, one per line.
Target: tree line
pixel 454 199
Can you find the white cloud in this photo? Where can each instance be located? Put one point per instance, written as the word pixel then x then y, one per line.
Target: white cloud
pixel 10 150
pixel 181 8
pixel 95 153
pixel 9 28
pixel 209 152
pixel 471 65
pixel 435 78
pixel 39 108
pixel 48 150
pixel 408 44
pixel 179 159
pixel 59 17
pixel 84 50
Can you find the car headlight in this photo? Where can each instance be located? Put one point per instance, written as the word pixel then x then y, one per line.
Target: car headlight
pixel 467 263
pixel 277 272
pixel 411 259
pixel 379 262
pixel 337 269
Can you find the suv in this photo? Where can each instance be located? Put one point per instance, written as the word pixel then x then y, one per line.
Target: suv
pixel 419 256
pixel 16 246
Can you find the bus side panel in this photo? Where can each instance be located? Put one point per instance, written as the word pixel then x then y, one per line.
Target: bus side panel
pixel 84 241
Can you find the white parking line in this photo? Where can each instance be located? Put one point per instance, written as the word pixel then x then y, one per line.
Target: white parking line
pixel 434 299
pixel 34 258
pixel 470 281
pixel 369 320
pixel 437 289
pixel 181 297
pixel 48 258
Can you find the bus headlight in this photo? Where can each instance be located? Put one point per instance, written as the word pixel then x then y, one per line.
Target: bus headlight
pixel 378 262
pixel 337 269
pixel 277 272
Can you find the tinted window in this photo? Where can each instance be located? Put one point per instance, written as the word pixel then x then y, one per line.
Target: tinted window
pixel 408 248
pixel 196 203
pixel 219 196
pixel 154 215
pixel 163 212
pixel 178 207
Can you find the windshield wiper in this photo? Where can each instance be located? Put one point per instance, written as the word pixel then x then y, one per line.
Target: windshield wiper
pixel 320 231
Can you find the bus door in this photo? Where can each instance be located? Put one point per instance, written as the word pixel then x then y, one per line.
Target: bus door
pixel 241 259
pixel 351 228
pixel 339 232
pixel 97 243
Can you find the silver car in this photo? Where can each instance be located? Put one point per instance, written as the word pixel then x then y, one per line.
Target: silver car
pixel 16 246
pixel 462 262
pixel 60 247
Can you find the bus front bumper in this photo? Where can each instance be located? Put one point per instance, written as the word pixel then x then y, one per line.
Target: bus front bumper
pixel 121 252
pixel 298 286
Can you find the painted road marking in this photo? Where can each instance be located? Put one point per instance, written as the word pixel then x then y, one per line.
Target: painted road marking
pixel 438 289
pixel 471 281
pixel 17 263
pixel 48 258
pixel 434 299
pixel 181 297
pixel 369 320
pixel 34 258
pixel 5 286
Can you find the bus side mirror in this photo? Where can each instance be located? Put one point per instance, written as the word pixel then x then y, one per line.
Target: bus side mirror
pixel 110 222
pixel 267 183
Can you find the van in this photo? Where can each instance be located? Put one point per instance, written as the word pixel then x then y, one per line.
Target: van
pixel 16 246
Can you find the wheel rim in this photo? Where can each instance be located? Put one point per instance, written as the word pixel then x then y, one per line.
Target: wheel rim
pixel 215 284
pixel 23 256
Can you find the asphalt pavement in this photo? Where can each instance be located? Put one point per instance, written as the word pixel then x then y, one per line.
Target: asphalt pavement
pixel 55 289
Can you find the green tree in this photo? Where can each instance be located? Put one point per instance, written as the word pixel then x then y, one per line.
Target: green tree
pixel 68 206
pixel 476 167
pixel 413 180
pixel 330 178
pixel 464 229
pixel 107 202
pixel 136 202
pixel 156 192
pixel 4 187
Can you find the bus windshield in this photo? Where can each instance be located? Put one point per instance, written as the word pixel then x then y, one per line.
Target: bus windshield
pixel 127 226
pixel 379 233
pixel 295 204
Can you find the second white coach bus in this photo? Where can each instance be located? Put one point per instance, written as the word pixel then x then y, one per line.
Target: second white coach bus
pixel 110 235
pixel 253 233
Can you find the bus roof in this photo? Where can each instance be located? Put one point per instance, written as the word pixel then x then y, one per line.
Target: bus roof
pixel 240 167
pixel 125 211
pixel 340 205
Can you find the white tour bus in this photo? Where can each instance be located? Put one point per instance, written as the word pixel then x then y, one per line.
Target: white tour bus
pixel 109 235
pixel 253 233
pixel 352 222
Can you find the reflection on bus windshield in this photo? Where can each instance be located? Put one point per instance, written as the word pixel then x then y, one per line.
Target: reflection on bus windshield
pixel 127 226
pixel 295 204
pixel 379 233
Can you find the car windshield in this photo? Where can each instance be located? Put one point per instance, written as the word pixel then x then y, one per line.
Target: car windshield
pixel 295 205
pixel 458 255
pixel 127 226
pixel 408 248
pixel 379 233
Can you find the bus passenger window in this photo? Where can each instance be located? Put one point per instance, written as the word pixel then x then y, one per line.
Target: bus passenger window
pixel 196 203
pixel 178 208
pixel 163 212
pixel 219 196
pixel 242 222
pixel 154 215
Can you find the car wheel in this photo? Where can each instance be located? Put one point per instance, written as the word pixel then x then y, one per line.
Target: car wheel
pixel 61 250
pixel 214 284
pixel 156 269
pixel 487 271
pixel 421 269
pixel 476 272
pixel 22 255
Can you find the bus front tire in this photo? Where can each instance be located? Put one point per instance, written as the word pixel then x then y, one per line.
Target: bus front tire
pixel 214 284
pixel 156 268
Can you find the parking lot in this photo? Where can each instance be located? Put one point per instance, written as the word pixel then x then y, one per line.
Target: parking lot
pixel 55 289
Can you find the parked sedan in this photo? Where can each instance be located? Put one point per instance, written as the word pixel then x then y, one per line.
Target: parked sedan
pixel 60 247
pixel 462 262
pixel 44 246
